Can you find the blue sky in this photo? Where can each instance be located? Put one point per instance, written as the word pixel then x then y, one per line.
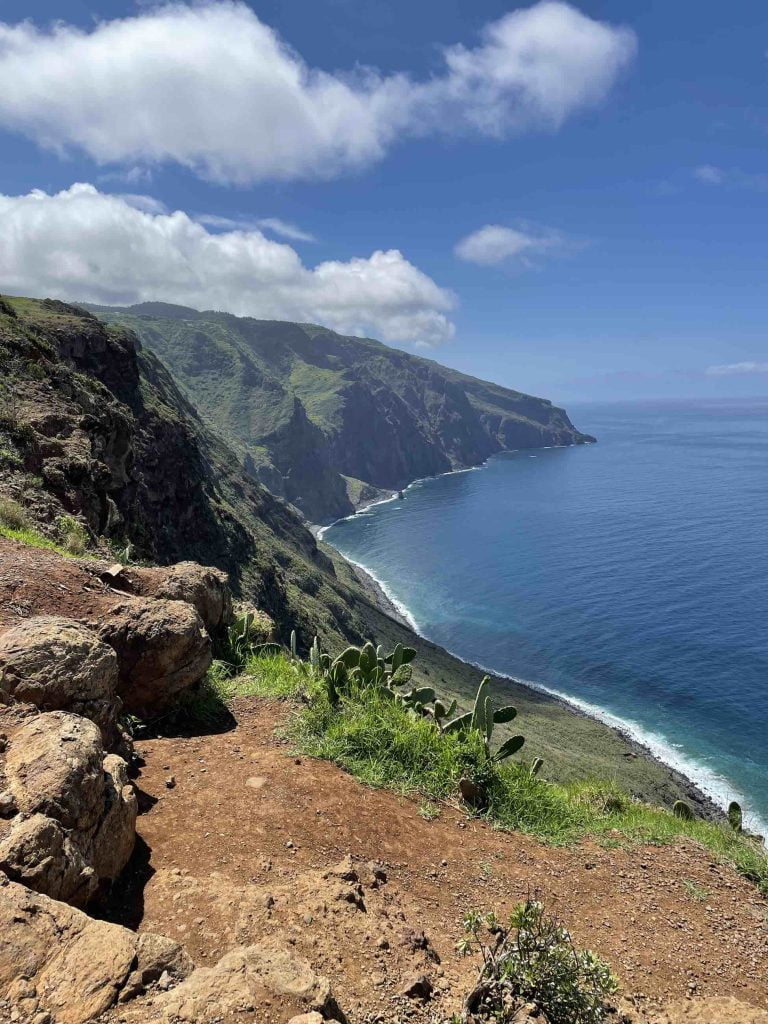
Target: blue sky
pixel 627 193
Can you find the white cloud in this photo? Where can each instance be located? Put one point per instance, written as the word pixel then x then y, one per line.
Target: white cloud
pixel 736 369
pixel 282 228
pixel 211 87
pixel 495 244
pixel 82 244
pixel 734 177
pixel 709 174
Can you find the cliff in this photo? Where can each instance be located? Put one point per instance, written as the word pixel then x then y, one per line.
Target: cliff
pixel 326 420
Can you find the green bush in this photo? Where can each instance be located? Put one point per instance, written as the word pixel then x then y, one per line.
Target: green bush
pixel 72 534
pixel 532 959
pixel 12 515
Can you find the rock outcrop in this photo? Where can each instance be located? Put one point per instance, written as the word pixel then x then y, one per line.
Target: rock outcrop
pixel 74 826
pixel 58 664
pixel 240 982
pixel 205 588
pixel 162 648
pixel 63 967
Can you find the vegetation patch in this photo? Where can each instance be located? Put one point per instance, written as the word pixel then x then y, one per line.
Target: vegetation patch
pixel 388 742
pixel 531 960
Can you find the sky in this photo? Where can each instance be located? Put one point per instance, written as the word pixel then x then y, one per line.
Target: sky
pixel 567 199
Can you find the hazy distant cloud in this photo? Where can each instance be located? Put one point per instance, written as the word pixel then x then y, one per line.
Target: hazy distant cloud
pixel 274 224
pixel 84 244
pixel 709 174
pixel 736 369
pixel 734 177
pixel 495 244
pixel 213 88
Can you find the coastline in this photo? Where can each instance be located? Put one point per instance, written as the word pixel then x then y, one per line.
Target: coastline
pixel 705 799
pixel 705 804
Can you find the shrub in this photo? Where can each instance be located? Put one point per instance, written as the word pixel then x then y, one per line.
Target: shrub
pixel 532 959
pixel 250 634
pixel 72 534
pixel 12 515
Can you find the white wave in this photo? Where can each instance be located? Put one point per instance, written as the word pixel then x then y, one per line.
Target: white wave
pixel 394 601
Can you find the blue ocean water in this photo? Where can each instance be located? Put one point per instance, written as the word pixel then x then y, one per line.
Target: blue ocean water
pixel 630 576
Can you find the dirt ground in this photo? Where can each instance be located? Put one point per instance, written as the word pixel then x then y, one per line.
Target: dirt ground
pixel 241 841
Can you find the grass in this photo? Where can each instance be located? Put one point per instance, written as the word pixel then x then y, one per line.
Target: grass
pixel 381 744
pixel 14 525
pixel 33 539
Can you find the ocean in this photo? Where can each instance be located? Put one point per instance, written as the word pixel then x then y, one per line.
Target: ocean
pixel 629 576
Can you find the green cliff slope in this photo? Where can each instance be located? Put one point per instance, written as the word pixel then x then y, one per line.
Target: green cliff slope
pixel 327 421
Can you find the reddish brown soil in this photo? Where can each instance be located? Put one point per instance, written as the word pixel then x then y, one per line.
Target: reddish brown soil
pixel 245 844
pixel 34 581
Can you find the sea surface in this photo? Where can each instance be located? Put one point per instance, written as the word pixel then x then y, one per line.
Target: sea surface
pixel 630 576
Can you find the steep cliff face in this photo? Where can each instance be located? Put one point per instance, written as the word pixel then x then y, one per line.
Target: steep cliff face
pixel 321 418
pixel 93 426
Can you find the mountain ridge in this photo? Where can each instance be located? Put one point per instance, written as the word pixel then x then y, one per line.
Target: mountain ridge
pixel 330 421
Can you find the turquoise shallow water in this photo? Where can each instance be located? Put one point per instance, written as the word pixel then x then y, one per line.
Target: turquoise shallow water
pixel 630 576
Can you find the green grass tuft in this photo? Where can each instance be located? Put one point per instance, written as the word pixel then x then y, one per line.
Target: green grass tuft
pixel 34 539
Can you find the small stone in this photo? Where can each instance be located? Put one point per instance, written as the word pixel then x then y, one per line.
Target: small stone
pixel 164 981
pixel 289 845
pixel 269 901
pixel 170 782
pixel 418 987
pixel 470 792
pixel 382 943
pixel 8 805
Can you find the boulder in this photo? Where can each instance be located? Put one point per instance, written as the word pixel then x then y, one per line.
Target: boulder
pixel 56 960
pixel 162 648
pixel 38 852
pixel 53 766
pixel 244 978
pixel 76 820
pixel 58 664
pixel 205 588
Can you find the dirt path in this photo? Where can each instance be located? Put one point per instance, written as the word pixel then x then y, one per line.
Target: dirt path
pixel 241 841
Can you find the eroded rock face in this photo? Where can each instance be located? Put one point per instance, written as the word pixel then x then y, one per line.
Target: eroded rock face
pixel 76 810
pixel 162 648
pixel 58 664
pixel 205 588
pixel 56 960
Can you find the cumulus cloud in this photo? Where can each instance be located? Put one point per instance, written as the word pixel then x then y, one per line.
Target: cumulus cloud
pixel 736 369
pixel 213 88
pixel 495 244
pixel 82 244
